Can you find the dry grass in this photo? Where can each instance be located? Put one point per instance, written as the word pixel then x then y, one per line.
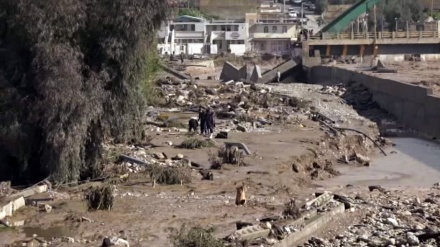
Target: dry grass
pixel 170 175
pixel 194 143
pixel 195 237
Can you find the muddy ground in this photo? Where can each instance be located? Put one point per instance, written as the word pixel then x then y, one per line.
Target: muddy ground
pixel 147 215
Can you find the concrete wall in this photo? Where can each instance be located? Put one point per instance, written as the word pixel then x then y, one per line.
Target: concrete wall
pixel 413 105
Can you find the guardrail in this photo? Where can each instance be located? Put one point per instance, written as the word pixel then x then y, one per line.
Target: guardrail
pixel 377 35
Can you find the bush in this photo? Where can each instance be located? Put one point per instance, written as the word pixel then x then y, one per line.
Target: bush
pixel 195 237
pixel 100 198
pixel 170 175
pixel 194 143
pixel 73 73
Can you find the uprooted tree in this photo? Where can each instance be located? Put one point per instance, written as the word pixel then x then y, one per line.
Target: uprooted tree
pixel 72 73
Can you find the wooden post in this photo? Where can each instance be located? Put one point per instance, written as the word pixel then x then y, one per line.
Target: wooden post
pixel 375 50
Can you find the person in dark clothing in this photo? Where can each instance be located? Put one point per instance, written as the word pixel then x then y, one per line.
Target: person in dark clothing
pixel 181 57
pixel 202 119
pixel 210 121
pixel 193 124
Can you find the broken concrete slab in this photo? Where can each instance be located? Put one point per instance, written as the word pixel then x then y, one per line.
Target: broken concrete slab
pixel 256 74
pixel 30 191
pixel 250 232
pixel 9 208
pixel 320 200
pixel 230 72
pixel 313 225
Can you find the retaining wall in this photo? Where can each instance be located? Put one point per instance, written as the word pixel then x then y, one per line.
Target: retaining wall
pixel 414 106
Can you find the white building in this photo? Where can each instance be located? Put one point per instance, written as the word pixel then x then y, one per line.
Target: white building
pixel 193 35
pixel 224 36
pixel 186 34
pixel 271 33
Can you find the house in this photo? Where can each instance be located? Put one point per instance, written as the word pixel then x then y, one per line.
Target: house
pixel 227 36
pixel 185 34
pixel 271 33
pixel 194 35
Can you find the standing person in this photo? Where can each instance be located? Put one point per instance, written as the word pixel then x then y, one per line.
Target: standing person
pixel 181 57
pixel 202 119
pixel 278 76
pixel 210 122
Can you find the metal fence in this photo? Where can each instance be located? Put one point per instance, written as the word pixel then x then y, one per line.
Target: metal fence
pixel 377 35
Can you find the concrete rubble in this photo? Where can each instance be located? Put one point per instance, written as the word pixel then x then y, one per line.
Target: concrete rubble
pixel 392 218
pixel 284 230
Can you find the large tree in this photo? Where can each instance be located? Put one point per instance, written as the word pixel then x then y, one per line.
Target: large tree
pixel 71 75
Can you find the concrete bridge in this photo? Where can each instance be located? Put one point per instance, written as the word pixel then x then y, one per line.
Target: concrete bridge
pixel 393 45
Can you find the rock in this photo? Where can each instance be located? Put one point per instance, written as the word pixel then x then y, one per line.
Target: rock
pixel 46 208
pixel 169 143
pixel 412 239
pixel 242 128
pixel 392 222
pixel 222 135
pixel 68 240
pixel 159 156
pixel 295 167
pixel 211 91
pixel 178 157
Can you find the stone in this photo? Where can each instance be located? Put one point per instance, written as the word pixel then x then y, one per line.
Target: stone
pixel 392 222
pixel 412 239
pixel 178 157
pixel 242 128
pixel 159 156
pixel 222 135
pixel 47 208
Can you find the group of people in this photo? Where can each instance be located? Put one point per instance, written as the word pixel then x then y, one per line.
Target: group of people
pixel 207 122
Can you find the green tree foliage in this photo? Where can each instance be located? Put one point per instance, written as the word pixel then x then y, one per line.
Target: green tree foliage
pixel 70 76
pixel 402 10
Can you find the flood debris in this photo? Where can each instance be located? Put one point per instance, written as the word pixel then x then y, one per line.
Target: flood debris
pixel 100 198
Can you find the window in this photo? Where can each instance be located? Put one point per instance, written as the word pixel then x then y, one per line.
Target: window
pixel 214 28
pixel 274 29
pixel 235 28
pixel 266 29
pixel 284 29
pixel 193 27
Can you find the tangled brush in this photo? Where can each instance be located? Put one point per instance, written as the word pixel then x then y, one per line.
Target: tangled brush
pixel 100 198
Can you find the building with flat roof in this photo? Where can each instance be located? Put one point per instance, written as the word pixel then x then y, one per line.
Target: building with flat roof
pixel 194 35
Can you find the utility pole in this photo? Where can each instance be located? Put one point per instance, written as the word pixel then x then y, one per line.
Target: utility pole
pixel 432 8
pixel 302 14
pixel 375 23
pixel 284 7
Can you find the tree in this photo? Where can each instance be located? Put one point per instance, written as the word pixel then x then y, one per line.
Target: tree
pixel 401 10
pixel 71 75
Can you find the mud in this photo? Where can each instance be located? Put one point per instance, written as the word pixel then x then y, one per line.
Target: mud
pixel 411 163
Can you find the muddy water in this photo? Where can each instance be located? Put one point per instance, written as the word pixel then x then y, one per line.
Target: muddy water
pixel 48 233
pixel 411 163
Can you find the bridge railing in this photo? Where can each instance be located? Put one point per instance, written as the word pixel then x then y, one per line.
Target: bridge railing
pixel 377 35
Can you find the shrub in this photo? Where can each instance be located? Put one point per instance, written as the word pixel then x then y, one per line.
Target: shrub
pixel 194 143
pixel 195 237
pixel 100 198
pixel 170 175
